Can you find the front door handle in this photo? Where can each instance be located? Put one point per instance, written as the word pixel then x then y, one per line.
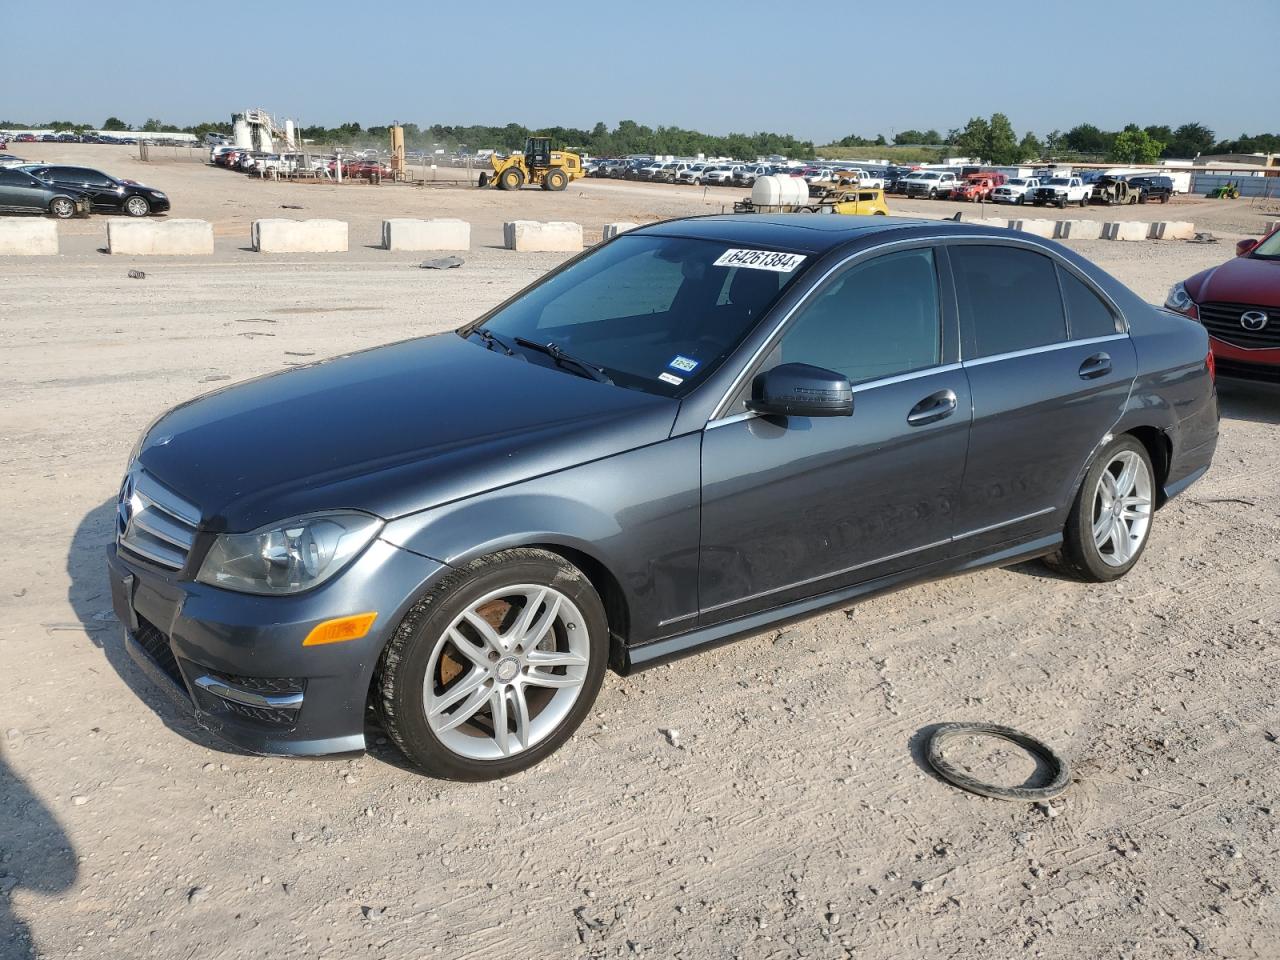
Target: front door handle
pixel 935 407
pixel 1099 365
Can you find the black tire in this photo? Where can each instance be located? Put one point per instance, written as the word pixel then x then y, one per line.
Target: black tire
pixel 1079 556
pixel 933 194
pixel 484 180
pixel 62 208
pixel 398 683
pixel 1020 201
pixel 1165 198
pixel 1062 203
pixel 1142 198
pixel 511 178
pixel 137 207
pixel 1084 202
pixel 556 179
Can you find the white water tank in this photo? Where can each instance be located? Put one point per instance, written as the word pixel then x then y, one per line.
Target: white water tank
pixel 241 135
pixel 773 190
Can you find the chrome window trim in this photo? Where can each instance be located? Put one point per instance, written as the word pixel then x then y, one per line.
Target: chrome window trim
pixel 719 412
pixel 1046 348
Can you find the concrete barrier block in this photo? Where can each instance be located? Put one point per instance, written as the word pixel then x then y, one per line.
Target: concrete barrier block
pixel 611 230
pixel 1125 230
pixel 1079 229
pixel 160 238
pixel 1037 228
pixel 531 236
pixel 1172 230
pixel 439 234
pixel 28 238
pixel 299 236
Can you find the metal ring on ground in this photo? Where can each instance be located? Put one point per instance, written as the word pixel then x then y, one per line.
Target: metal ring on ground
pixel 1060 771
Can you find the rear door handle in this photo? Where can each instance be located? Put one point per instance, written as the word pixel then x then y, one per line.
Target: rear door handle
pixel 935 407
pixel 1098 365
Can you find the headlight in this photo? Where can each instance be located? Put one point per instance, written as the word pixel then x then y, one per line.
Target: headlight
pixel 1178 299
pixel 157 194
pixel 288 557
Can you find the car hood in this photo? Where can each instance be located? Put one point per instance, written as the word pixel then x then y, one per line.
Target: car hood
pixel 1249 280
pixel 391 431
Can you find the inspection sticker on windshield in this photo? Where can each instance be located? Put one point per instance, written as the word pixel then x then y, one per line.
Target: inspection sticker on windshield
pixel 683 364
pixel 760 260
pixel 670 378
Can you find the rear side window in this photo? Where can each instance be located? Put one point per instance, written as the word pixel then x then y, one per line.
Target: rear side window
pixel 1008 299
pixel 1086 313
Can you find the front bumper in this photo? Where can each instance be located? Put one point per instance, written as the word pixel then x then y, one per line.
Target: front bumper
pixel 237 660
pixel 1243 363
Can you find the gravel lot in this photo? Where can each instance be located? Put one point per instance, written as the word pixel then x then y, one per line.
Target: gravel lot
pixel 789 816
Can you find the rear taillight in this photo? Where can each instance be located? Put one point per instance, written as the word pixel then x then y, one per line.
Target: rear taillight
pixel 1208 362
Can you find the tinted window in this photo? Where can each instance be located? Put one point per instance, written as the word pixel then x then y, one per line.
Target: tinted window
pixel 877 320
pixel 1088 315
pixel 14 178
pixel 1008 298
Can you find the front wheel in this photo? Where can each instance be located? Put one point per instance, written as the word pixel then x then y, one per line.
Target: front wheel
pixel 62 208
pixel 511 178
pixel 556 179
pixel 1084 201
pixel 496 668
pixel 1109 523
pixel 137 207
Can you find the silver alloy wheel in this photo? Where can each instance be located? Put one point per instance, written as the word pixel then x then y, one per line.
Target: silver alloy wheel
pixel 63 208
pixel 137 207
pixel 506 672
pixel 1122 508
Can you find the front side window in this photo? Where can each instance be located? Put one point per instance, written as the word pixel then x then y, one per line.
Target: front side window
pixel 878 319
pixel 656 313
pixel 1008 299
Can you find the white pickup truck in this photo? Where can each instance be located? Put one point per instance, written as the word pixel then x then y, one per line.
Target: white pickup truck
pixel 866 180
pixel 1059 191
pixel 1015 190
pixel 928 183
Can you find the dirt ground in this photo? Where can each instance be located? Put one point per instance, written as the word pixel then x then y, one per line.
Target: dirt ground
pixel 791 816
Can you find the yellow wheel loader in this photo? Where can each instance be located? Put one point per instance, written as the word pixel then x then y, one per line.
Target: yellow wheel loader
pixel 549 169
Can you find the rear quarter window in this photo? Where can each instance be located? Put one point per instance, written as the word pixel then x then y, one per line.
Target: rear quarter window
pixel 1087 315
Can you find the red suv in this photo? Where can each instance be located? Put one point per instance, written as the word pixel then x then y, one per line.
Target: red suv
pixel 1239 304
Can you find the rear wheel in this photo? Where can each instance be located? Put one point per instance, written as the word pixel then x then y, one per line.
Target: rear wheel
pixel 555 179
pixel 1084 202
pixel 1110 521
pixel 484 180
pixel 62 208
pixel 495 669
pixel 137 207
pixel 511 179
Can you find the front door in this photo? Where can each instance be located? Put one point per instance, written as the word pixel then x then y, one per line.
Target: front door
pixel 1048 382
pixel 795 507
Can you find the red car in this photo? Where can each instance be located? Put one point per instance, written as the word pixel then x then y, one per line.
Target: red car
pixel 1239 305
pixel 24 138
pixel 978 186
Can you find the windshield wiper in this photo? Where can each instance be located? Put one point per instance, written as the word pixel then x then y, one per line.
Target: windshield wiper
pixel 491 340
pixel 566 360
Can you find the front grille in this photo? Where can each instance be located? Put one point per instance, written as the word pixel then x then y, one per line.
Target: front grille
pixel 156 644
pixel 154 523
pixel 1257 372
pixel 273 715
pixel 1222 320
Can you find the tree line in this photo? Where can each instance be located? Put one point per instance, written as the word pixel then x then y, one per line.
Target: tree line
pixel 992 139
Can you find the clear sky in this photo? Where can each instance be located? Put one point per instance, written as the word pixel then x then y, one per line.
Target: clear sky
pixel 819 70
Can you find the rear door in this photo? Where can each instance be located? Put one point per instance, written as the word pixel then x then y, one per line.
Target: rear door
pixel 21 191
pixel 794 507
pixel 1049 366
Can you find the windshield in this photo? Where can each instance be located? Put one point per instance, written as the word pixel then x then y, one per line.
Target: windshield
pixel 1269 249
pixel 654 313
pixel 1059 182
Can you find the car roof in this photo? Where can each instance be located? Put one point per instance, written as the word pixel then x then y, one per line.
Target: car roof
pixel 810 233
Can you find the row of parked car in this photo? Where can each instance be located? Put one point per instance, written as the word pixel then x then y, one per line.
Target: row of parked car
pixel 295 164
pixel 1046 189
pixel 65 191
pixel 725 173
pixel 125 139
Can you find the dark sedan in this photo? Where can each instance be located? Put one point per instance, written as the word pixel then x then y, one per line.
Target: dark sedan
pixel 105 191
pixel 20 192
pixel 697 431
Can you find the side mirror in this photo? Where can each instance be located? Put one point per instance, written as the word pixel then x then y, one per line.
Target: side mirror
pixel 801 390
pixel 1244 246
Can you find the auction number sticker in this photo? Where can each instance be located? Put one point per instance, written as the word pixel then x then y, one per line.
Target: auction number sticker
pixel 761 260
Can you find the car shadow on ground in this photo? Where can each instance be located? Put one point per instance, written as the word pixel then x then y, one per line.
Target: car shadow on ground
pixel 37 855
pixel 89 594
pixel 1258 403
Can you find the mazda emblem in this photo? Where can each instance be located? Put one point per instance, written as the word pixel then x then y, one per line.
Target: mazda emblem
pixel 1253 320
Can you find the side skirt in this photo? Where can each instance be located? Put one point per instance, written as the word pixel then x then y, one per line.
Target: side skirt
pixel 655 653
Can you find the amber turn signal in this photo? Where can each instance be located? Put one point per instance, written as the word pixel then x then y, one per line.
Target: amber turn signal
pixel 337 631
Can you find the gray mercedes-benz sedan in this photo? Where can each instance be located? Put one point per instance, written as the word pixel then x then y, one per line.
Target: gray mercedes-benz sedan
pixel 694 432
